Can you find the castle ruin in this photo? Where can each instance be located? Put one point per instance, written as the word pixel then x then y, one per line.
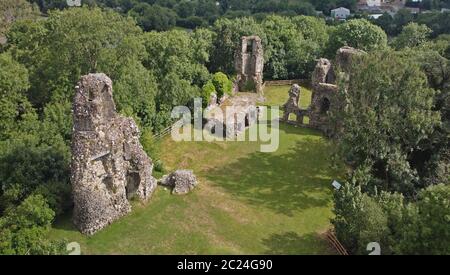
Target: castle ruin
pixel 109 166
pixel 249 65
pixel 324 89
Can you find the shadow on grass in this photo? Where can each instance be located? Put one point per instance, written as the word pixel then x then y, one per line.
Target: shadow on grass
pixel 296 177
pixel 65 222
pixel 290 243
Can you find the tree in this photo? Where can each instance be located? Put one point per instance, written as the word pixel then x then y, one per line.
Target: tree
pixel 23 229
pixel 13 10
pixel 223 86
pixel 14 107
pixel 76 42
pixel 72 43
pixel 227 41
pixel 438 21
pixel 207 90
pixel 388 113
pixel 434 217
pixel 386 22
pixel 153 17
pixel 284 45
pixel 400 227
pixel 412 35
pixel 358 220
pixel 315 34
pixel 357 33
pixel 178 67
pixel 134 93
pixel 313 29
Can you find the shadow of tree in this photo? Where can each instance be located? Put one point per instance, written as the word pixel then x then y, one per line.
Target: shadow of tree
pixel 290 243
pixel 296 177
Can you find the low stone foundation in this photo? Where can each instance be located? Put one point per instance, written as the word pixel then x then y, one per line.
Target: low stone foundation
pixel 233 116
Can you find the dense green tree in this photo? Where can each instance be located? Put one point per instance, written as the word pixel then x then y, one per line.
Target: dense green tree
pixel 15 110
pixel 434 218
pixel 207 90
pixel 153 17
pixel 400 227
pixel 386 22
pixel 178 66
pixel 13 10
pixel 72 43
pixel 227 41
pixel 314 29
pixel 437 21
pixel 223 86
pixel 23 229
pixel 412 35
pixel 357 33
pixel 359 220
pixel 285 44
pixel 186 8
pixel 398 115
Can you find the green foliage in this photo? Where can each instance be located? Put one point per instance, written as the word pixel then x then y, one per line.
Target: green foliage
pixel 13 76
pixel 249 86
pixel 150 145
pixel 23 229
pixel 412 35
pixel 207 90
pixel 201 42
pixel 153 17
pixel 398 114
pixel 179 68
pixel 357 33
pixel 400 228
pixel 223 86
pixel 13 10
pixel 314 29
pixel 359 219
pixel 434 218
pixel 72 43
pixel 284 45
pixel 227 41
pixel 15 110
pixel 134 93
pixel 291 45
pixel 28 168
pixel 159 166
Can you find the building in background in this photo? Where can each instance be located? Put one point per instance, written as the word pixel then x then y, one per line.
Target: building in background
pixel 340 13
pixel 380 6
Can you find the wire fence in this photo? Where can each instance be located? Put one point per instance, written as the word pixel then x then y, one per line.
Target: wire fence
pixel 163 133
pixel 284 82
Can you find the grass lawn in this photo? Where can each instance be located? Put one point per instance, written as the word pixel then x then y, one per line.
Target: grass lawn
pixel 247 202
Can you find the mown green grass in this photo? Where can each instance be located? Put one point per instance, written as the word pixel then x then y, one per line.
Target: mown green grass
pixel 247 202
pixel 277 95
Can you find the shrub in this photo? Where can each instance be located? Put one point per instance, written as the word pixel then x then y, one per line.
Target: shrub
pixel 222 84
pixel 151 147
pixel 159 166
pixel 207 90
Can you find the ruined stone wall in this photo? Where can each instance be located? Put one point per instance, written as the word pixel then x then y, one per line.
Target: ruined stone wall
pixel 324 91
pixel 109 165
pixel 249 64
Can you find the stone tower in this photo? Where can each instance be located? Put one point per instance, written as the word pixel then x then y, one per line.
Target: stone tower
pixel 109 165
pixel 249 64
pixel 324 88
